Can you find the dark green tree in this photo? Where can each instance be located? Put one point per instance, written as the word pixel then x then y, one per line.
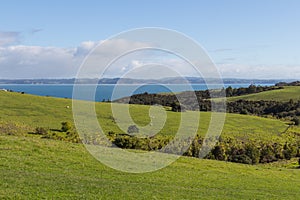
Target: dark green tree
pixel 229 91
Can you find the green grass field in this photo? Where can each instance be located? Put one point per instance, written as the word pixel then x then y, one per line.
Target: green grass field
pixel 289 92
pixel 33 111
pixel 34 168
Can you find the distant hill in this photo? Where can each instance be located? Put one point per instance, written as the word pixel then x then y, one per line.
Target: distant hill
pixel 167 80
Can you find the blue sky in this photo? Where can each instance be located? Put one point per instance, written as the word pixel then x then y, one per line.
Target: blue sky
pixel 246 39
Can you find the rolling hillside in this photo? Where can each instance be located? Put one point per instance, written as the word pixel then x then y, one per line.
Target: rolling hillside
pixel 34 168
pixel 29 112
pixel 289 92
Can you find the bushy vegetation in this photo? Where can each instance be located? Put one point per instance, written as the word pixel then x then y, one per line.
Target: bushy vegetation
pixel 227 149
pixel 289 109
pixel 41 131
pixel 232 92
pixel 66 126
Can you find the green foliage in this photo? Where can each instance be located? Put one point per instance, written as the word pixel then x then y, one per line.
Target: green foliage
pixel 243 112
pixel 66 126
pixel 289 151
pixel 219 152
pixel 267 154
pixel 252 152
pixel 227 149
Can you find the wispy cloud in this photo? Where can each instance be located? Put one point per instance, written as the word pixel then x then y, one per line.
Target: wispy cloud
pixel 279 71
pixel 35 30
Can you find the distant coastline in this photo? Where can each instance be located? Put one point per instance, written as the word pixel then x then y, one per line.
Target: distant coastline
pixel 170 80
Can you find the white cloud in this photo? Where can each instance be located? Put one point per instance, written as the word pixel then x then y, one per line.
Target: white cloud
pixel 36 62
pixel 19 61
pixel 85 47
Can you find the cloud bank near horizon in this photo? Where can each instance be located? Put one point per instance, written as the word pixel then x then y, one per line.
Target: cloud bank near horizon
pixel 20 61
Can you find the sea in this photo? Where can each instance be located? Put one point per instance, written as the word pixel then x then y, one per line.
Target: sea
pixel 108 92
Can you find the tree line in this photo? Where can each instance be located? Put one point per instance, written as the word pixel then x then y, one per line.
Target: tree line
pixel 202 101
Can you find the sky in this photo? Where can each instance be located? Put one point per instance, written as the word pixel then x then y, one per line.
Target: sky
pixel 245 39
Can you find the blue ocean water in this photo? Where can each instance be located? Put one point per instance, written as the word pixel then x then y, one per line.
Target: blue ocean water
pixel 107 92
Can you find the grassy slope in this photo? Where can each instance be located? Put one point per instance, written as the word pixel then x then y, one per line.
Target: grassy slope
pixel 289 92
pixel 34 111
pixel 34 168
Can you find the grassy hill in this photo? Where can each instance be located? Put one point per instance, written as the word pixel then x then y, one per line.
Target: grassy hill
pixel 34 168
pixel 289 92
pixel 29 112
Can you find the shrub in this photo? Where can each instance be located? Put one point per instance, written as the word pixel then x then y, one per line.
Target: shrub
pixel 41 131
pixel 267 154
pixel 66 126
pixel 219 152
pixel 253 153
pixel 244 112
pixel 289 151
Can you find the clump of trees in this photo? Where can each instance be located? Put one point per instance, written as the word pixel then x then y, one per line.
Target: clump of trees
pixel 231 92
pixel 290 109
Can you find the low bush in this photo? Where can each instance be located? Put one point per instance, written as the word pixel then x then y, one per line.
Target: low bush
pixel 41 131
pixel 66 126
